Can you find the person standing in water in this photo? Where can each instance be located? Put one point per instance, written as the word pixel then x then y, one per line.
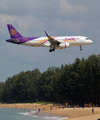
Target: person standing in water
pixel 37 112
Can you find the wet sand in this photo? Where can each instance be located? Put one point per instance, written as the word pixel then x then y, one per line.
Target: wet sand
pixel 73 114
pixel 49 115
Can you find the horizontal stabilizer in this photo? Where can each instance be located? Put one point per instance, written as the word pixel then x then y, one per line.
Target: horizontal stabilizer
pixel 14 40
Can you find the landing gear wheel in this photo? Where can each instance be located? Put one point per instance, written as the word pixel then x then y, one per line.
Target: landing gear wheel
pixel 53 49
pixel 50 50
pixel 80 48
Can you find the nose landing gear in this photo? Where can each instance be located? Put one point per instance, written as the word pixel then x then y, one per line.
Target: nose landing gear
pixel 80 48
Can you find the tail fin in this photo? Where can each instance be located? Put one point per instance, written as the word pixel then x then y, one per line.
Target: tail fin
pixel 13 32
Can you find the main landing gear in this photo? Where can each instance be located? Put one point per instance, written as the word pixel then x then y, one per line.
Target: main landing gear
pixel 52 49
pixel 80 48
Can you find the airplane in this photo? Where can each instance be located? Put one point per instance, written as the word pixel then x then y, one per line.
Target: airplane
pixel 60 42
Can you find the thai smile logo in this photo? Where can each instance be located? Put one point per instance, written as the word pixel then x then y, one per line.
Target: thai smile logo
pixel 13 32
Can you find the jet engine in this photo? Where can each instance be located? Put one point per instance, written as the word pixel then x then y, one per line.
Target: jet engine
pixel 63 46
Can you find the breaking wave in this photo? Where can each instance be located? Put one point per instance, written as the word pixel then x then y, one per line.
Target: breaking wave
pixel 44 116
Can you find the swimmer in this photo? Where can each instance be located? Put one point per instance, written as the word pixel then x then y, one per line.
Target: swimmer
pixel 37 112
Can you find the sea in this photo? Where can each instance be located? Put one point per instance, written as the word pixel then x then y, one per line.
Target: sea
pixel 23 114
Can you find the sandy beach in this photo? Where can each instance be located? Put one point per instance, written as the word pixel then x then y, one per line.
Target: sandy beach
pixel 79 113
pixel 73 114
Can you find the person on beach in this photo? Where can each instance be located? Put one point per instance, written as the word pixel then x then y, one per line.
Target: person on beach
pixel 51 107
pixel 93 110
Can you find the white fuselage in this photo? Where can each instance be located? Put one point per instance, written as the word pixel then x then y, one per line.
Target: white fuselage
pixel 72 40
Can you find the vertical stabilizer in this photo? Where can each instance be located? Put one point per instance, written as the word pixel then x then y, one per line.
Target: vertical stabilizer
pixel 13 32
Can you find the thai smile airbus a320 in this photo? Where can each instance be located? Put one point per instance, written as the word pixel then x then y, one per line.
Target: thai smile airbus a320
pixel 60 42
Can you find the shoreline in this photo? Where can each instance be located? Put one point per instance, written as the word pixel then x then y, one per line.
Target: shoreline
pixel 71 113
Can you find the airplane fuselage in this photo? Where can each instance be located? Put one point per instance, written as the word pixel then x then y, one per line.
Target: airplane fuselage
pixel 44 42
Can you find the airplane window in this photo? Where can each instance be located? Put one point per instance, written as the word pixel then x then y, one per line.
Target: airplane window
pixel 87 38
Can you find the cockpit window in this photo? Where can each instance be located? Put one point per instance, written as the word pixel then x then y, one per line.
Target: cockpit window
pixel 87 38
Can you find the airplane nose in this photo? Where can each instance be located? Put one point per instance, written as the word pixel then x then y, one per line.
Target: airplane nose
pixel 91 41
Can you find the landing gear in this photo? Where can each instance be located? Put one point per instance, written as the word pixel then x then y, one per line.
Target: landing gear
pixel 80 48
pixel 52 49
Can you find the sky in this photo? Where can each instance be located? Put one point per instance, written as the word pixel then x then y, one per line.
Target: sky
pixel 58 18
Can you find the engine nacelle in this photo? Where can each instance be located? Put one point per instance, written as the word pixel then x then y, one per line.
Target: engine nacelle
pixel 63 46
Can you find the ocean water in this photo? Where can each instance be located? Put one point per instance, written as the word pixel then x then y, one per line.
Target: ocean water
pixel 23 114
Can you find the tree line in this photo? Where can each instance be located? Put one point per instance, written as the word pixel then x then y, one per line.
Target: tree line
pixel 76 83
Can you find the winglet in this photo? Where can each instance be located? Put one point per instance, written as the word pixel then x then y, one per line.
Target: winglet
pixel 46 33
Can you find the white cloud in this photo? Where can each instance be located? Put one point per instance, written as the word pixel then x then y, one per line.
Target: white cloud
pixel 24 14
pixel 40 8
pixel 73 26
pixel 23 7
pixel 4 18
pixel 27 22
pixel 24 22
pixel 67 8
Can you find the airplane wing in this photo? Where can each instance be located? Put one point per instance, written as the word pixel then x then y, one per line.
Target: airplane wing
pixel 52 40
pixel 55 44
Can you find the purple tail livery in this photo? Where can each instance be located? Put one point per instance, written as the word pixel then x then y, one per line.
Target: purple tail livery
pixel 60 42
pixel 13 32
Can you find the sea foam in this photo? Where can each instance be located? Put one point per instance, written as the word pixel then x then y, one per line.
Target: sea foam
pixel 44 116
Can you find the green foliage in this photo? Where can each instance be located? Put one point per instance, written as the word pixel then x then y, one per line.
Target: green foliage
pixel 76 83
pixel 1 90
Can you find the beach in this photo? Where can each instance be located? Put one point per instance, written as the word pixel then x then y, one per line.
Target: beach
pixel 71 113
pixel 79 113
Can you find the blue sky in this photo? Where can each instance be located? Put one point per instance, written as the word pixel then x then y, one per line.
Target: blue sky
pixel 58 18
